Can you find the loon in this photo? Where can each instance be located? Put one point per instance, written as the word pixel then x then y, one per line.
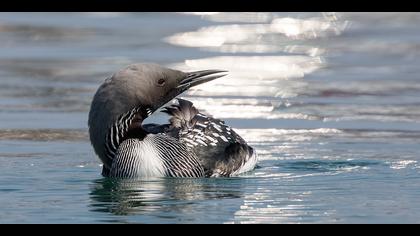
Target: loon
pixel 191 145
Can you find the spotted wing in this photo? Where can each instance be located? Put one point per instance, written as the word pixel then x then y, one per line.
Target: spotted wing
pixel 220 150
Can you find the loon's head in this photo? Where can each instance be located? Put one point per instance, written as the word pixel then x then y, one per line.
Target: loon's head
pixel 143 86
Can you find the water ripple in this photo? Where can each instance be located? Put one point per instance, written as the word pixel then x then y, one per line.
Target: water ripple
pixel 44 134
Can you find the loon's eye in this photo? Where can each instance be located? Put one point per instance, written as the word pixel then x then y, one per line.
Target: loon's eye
pixel 161 82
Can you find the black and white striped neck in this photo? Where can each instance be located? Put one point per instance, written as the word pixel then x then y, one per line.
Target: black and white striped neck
pixel 125 126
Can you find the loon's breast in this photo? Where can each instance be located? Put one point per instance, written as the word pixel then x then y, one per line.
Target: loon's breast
pixel 137 158
pixel 156 155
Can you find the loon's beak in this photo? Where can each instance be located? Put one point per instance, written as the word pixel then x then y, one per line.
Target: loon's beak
pixel 198 77
pixel 189 80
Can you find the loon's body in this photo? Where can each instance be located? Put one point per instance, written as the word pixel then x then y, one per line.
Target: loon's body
pixel 191 145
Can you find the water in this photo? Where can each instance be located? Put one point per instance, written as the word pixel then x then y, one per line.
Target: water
pixel 329 100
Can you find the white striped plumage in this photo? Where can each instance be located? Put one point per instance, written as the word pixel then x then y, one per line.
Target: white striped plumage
pixel 154 156
pixel 117 131
pixel 139 159
pixel 177 157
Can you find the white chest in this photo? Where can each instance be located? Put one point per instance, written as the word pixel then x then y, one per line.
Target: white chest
pixel 138 159
pixel 148 162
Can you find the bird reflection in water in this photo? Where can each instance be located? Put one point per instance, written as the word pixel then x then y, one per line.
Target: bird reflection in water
pixel 129 197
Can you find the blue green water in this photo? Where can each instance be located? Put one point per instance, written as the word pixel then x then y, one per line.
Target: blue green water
pixel 330 101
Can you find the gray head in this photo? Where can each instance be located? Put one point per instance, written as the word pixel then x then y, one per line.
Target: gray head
pixel 144 86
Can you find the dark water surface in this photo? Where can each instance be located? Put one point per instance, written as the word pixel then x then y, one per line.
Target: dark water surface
pixel 331 102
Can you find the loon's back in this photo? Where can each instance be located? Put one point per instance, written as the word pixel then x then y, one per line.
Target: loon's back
pixel 217 147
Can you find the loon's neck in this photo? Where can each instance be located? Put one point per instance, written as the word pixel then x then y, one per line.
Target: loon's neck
pixel 137 153
pixel 127 125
